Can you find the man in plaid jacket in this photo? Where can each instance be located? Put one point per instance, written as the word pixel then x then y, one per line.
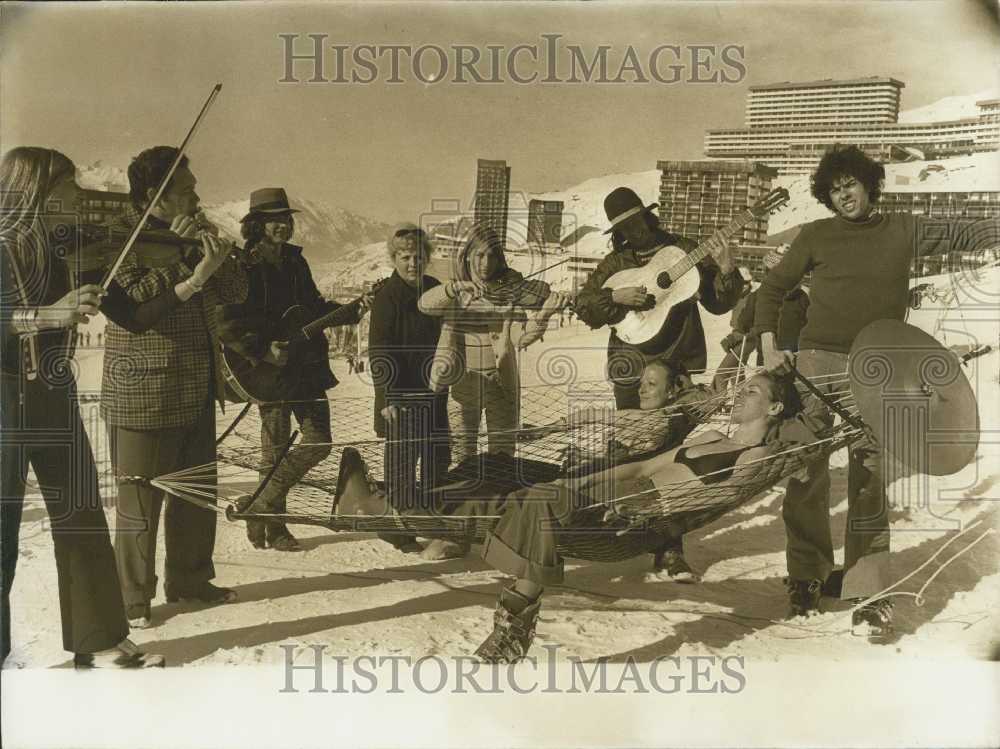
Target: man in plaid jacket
pixel 157 393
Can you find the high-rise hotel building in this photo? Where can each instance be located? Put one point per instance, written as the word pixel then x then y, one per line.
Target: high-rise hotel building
pixel 492 195
pixel 544 222
pixel 790 125
pixel 699 197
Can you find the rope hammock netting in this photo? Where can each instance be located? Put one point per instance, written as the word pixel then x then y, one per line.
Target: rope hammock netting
pixel 549 445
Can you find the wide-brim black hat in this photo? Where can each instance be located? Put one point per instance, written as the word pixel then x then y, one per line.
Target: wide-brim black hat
pixel 621 204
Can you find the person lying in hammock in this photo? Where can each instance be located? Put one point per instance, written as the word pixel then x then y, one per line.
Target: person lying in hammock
pixel 670 406
pixel 605 438
pixel 525 541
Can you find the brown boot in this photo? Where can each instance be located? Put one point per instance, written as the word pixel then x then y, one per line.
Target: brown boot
pixel 513 628
pixel 257 533
pixel 280 538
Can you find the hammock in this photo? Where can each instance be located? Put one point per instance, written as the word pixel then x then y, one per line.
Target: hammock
pixel 548 447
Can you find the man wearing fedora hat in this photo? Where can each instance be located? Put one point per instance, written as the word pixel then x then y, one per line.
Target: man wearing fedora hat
pixel 636 236
pixel 279 278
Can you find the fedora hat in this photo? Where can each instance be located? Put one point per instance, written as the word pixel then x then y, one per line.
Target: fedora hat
pixel 621 204
pixel 268 201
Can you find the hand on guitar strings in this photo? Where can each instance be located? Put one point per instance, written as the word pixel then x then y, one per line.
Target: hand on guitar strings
pixel 634 297
pixel 277 353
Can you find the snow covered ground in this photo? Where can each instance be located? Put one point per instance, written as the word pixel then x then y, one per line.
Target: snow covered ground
pixel 357 595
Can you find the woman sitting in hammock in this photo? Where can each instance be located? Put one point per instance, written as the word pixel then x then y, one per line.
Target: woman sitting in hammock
pixel 524 542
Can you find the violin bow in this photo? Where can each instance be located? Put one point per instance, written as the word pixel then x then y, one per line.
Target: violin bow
pixel 159 190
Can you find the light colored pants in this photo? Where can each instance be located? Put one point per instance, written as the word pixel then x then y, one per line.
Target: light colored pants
pixel 474 393
pixel 806 509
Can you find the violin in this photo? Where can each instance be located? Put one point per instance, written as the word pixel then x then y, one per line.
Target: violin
pixel 93 247
pixel 133 235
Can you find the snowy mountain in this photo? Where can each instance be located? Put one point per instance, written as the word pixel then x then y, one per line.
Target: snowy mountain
pixel 101 176
pixel 949 108
pixel 326 233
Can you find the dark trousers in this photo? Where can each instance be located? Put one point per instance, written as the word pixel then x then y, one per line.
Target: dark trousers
pixel 419 436
pixel 312 448
pixel 46 432
pixel 533 521
pixel 806 508
pixel 189 531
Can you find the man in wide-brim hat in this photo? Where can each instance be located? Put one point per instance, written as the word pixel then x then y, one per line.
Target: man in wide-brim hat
pixel 280 278
pixel 636 236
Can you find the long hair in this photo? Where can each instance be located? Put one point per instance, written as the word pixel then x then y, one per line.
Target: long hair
pixel 27 176
pixel 253 229
pixel 479 235
pixel 618 242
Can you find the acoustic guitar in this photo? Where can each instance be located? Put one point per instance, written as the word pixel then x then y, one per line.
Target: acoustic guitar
pixel 266 382
pixel 668 274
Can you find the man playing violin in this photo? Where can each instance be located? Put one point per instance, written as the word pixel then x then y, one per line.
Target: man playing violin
pixel 636 236
pixel 158 388
pixel 279 278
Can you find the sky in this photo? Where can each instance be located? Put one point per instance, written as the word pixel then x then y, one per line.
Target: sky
pixel 102 81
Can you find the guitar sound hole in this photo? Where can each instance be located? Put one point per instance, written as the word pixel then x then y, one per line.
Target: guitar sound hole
pixel 663 280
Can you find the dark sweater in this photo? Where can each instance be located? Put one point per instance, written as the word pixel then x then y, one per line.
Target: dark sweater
pixel 402 342
pixel 860 271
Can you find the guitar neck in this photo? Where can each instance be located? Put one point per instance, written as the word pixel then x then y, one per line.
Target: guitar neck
pixel 337 317
pixel 342 315
pixel 715 243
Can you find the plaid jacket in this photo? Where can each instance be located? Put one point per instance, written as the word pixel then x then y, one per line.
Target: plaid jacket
pixel 163 378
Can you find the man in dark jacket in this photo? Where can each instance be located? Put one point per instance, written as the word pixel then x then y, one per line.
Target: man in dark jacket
pixel 402 342
pixel 280 278
pixel 636 237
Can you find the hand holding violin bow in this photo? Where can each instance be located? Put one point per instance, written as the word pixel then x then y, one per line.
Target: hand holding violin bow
pixel 76 307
